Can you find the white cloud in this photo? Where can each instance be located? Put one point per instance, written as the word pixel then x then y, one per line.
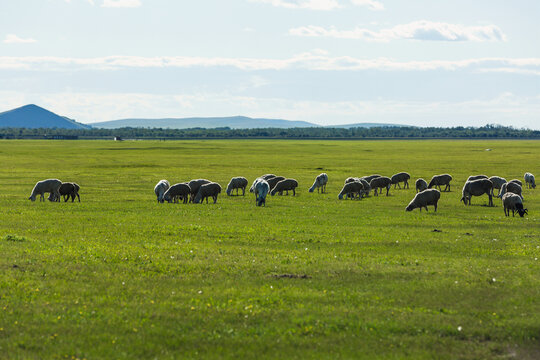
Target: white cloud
pixel 121 3
pixel 317 60
pixel 14 39
pixel 417 30
pixel 321 4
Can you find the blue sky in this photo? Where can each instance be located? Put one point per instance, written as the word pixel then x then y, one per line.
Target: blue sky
pixel 417 62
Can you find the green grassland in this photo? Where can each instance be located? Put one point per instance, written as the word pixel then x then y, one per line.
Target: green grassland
pixel 120 276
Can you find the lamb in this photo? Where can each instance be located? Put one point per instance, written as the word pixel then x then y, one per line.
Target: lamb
pixel 261 190
pixel 237 183
pixel 380 183
pixel 181 190
pixel 401 177
pixel 194 185
pixel 511 187
pixel 497 182
pixel 320 182
pixel 207 190
pixel 160 189
pixel 285 185
pixel 513 202
pixel 477 188
pixel 529 180
pixel 423 199
pixel 67 190
pixel 476 177
pixel 421 185
pixel 51 186
pixel 438 180
pixel 350 189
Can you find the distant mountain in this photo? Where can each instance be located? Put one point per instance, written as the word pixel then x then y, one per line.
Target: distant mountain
pixel 33 116
pixel 366 125
pixel 234 122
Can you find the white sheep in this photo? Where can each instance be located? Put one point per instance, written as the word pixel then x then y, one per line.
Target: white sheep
pixel 237 183
pixel 423 199
pixel 401 177
pixel 380 182
pixel 512 187
pixel 351 189
pixel 181 190
pixel 370 177
pixel 366 187
pixel 160 189
pixel 497 182
pixel 529 180
pixel 285 185
pixel 273 181
pixel 261 190
pixel 439 180
pixel 51 186
pixel 320 183
pixel 421 185
pixel 207 190
pixel 513 202
pixel 477 188
pixel 194 185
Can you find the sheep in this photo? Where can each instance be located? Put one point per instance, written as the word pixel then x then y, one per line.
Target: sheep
pixel 181 190
pixel 401 177
pixel 421 185
pixel 194 185
pixel 513 202
pixel 423 199
pixel 261 190
pixel 511 187
pixel 370 177
pixel 237 183
pixel 380 183
pixel 438 180
pixel 273 181
pixel 67 190
pixel 160 189
pixel 350 189
pixel 497 182
pixel 517 182
pixel 285 185
pixel 476 177
pixel 366 187
pixel 477 188
pixel 46 186
pixel 267 176
pixel 529 180
pixel 320 182
pixel 205 191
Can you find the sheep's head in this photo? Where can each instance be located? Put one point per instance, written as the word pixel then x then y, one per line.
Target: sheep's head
pixel 409 207
pixel 33 198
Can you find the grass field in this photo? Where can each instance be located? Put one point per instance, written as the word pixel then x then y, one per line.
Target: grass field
pixel 120 276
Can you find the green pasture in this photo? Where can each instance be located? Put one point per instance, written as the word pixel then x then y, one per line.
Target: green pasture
pixel 119 276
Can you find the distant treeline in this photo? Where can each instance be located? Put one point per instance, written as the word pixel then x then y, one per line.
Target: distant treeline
pixel 488 131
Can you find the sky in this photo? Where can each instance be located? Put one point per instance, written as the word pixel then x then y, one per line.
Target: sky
pixel 415 62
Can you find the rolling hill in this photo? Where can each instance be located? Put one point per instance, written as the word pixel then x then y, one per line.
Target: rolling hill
pixel 33 116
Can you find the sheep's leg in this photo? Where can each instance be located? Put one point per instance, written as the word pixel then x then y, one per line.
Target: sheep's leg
pixel 426 209
pixel 435 206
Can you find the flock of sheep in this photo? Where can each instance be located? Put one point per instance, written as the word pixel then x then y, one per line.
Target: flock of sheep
pixel 196 191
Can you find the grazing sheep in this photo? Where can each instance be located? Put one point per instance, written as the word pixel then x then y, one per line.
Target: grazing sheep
pixel 285 185
pixel 194 185
pixel 261 190
pixel 237 183
pixel 370 177
pixel 421 185
pixel 513 202
pixel 477 188
pixel 273 181
pixel 380 183
pixel 67 190
pixel 497 183
pixel 438 180
pixel 529 180
pixel 320 182
pixel 207 190
pixel 517 182
pixel 177 191
pixel 511 187
pixel 476 177
pixel 366 187
pixel 350 189
pixel 423 199
pixel 160 189
pixel 401 177
pixel 267 176
pixel 51 186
